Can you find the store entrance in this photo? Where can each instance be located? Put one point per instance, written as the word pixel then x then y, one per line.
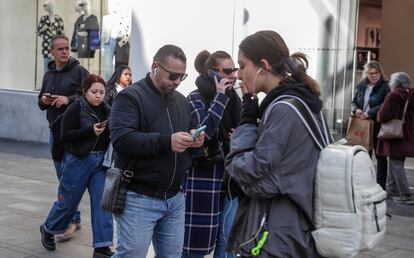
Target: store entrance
pixel 369 34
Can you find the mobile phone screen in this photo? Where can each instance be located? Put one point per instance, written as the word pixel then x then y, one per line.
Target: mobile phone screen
pixel 198 131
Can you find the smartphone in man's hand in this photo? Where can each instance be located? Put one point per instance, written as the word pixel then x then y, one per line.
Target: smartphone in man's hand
pixel 197 132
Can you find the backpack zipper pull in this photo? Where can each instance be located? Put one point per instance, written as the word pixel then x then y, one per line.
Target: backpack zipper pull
pixel 376 217
pixel 258 248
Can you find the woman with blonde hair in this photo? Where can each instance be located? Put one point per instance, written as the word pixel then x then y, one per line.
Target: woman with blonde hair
pixel 369 95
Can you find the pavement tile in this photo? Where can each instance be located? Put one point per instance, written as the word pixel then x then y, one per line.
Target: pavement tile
pixel 379 250
pixel 6 253
pixel 28 188
pixel 397 253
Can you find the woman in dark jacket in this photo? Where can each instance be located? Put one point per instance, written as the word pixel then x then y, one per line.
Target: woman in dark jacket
pixel 274 160
pixel 84 130
pixel 215 104
pixel 369 95
pixel 120 79
pixel 398 150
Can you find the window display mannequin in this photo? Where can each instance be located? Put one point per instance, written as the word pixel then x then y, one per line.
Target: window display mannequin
pixel 116 31
pixel 49 26
pixel 85 38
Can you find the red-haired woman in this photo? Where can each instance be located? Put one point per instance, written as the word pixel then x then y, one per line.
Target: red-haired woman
pixel 86 134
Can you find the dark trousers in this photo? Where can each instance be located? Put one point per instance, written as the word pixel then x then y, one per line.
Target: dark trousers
pixel 382 163
pixel 382 168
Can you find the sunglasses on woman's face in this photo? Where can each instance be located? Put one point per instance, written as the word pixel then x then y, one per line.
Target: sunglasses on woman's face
pixel 227 71
pixel 173 75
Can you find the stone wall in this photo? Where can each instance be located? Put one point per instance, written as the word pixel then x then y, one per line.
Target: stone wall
pixel 21 118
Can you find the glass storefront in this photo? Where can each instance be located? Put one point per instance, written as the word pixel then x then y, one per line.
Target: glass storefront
pixel 98 31
pixel 102 31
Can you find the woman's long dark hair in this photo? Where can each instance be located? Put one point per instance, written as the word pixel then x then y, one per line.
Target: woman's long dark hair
pixel 269 45
pixel 117 75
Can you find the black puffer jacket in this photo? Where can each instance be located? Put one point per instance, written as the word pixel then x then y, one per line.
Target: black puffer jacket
pixel 110 94
pixel 77 127
pixel 65 82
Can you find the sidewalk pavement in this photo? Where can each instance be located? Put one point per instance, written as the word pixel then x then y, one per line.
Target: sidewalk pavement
pixel 28 187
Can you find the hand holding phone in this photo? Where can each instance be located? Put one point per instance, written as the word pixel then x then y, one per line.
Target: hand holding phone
pixel 102 125
pixel 214 74
pixel 197 132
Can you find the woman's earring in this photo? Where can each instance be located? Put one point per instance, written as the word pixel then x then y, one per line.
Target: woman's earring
pixel 155 71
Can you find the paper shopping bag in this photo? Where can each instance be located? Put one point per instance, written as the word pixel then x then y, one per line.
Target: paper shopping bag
pixel 360 132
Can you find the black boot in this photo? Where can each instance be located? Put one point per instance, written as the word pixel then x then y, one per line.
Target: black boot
pixel 102 252
pixel 48 240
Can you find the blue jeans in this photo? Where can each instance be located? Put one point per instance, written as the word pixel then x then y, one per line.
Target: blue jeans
pixel 77 175
pixel 226 222
pixel 108 60
pixel 77 217
pixel 146 218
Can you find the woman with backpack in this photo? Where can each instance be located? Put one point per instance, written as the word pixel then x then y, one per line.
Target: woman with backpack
pixel 85 132
pixel 273 158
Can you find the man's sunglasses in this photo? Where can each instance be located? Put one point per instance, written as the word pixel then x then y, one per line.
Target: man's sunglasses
pixel 227 71
pixel 173 75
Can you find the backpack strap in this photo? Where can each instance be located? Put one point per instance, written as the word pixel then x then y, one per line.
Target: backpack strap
pixel 318 134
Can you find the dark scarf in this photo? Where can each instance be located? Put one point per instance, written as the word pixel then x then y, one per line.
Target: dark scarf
pixel 299 90
pixel 231 115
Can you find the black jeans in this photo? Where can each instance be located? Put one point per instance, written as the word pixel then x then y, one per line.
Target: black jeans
pixel 382 168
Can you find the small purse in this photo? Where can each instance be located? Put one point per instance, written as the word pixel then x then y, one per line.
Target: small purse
pixel 393 129
pixel 210 155
pixel 114 194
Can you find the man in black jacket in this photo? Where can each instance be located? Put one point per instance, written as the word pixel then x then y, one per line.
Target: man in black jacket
pixel 150 124
pixel 61 86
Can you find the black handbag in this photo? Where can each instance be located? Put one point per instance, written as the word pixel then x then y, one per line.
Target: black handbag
pixel 210 154
pixel 114 194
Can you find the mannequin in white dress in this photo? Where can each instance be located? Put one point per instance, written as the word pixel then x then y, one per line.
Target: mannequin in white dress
pixel 116 31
